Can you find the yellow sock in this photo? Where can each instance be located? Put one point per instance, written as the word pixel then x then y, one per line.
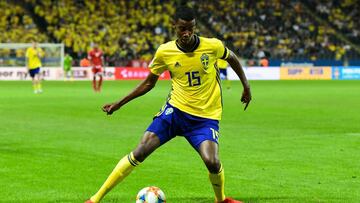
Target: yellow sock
pixel 35 87
pixel 39 86
pixel 122 169
pixel 218 180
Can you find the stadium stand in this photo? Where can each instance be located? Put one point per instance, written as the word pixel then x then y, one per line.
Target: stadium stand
pixel 17 26
pixel 127 30
pixel 283 28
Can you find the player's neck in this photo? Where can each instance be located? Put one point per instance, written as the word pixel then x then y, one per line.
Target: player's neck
pixel 189 46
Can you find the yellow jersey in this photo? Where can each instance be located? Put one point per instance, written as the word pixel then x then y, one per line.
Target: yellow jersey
pixel 222 64
pixel 196 87
pixel 33 58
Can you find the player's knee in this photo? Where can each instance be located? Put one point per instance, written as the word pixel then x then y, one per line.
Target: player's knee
pixel 213 164
pixel 148 144
pixel 139 154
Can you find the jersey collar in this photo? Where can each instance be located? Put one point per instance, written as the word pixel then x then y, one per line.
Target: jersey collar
pixel 197 43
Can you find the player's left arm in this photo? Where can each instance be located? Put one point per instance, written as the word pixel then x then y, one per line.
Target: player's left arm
pixel 40 53
pixel 235 64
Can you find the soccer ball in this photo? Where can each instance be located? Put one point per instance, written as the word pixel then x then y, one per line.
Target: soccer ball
pixel 151 194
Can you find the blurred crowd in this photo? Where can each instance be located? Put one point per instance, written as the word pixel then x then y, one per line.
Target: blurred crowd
pixel 278 28
pixel 124 30
pixel 344 15
pixel 127 30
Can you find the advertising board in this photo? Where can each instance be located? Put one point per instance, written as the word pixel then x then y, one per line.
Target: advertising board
pixel 305 73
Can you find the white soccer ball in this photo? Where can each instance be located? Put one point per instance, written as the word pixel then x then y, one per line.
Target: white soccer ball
pixel 150 194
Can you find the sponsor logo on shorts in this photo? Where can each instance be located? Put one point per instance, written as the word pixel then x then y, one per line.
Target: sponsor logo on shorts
pixel 169 111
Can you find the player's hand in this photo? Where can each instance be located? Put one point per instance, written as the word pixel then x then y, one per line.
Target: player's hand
pixel 246 97
pixel 110 108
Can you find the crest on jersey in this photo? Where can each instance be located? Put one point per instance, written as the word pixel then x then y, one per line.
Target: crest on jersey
pixel 204 60
pixel 177 65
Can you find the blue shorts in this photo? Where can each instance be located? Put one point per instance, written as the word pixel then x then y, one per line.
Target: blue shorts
pixel 170 122
pixel 33 72
pixel 223 73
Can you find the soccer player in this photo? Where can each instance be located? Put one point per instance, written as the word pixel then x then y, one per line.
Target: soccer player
pixel 68 74
pixel 33 62
pixel 193 108
pixel 96 59
pixel 223 65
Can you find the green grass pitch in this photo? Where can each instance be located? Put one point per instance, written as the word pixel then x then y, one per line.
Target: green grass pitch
pixel 299 141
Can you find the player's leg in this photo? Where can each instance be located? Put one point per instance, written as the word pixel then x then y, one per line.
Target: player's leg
pixel 34 84
pixel 149 142
pixel 94 78
pixel 203 136
pixel 159 132
pixel 66 74
pixel 34 74
pixel 94 83
pixel 224 77
pixel 100 81
pixel 208 151
pixel 38 79
pixel 100 73
pixel 33 81
pixel 71 74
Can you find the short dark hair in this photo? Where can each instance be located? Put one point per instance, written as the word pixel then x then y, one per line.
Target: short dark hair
pixel 184 13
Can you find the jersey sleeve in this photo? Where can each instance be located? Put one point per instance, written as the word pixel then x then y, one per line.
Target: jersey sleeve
pixel 27 55
pixel 157 65
pixel 222 52
pixel 41 52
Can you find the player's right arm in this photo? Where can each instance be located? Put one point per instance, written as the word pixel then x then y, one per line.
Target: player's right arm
pixel 157 66
pixel 40 53
pixel 144 87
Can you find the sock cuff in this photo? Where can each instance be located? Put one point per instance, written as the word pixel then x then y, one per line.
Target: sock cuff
pixel 220 170
pixel 132 160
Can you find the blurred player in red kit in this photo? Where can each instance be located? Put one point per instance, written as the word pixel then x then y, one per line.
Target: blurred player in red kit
pixel 96 59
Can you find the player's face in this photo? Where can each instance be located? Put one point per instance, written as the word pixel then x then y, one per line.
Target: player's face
pixel 185 30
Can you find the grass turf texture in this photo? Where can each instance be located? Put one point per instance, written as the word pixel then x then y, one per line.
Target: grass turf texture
pixel 298 141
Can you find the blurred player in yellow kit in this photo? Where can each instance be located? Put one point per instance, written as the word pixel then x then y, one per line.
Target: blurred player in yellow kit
pixel 223 65
pixel 33 62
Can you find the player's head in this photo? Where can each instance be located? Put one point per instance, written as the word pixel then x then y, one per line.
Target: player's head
pixel 184 23
pixel 34 43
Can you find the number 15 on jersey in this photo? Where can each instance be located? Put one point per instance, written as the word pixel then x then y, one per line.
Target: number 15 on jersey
pixel 193 78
